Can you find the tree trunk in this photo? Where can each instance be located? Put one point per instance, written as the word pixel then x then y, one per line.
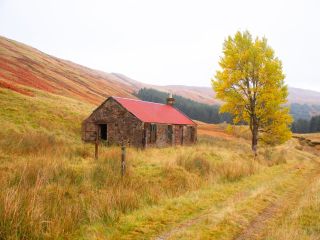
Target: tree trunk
pixel 254 144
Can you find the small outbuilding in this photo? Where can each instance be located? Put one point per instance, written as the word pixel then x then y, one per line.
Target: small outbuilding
pixel 138 123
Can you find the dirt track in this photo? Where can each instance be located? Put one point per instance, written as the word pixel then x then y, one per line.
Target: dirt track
pixel 256 228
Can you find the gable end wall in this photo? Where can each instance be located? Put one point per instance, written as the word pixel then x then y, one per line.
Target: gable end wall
pixel 122 125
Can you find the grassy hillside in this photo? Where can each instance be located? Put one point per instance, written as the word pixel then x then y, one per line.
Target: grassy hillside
pixel 52 188
pixel 22 65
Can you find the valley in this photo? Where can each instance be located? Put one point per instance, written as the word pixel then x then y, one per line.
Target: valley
pixel 52 187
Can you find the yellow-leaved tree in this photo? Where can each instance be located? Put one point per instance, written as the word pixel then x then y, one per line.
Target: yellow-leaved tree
pixel 251 85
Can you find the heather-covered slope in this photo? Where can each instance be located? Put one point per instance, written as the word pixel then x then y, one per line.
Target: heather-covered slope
pixel 23 65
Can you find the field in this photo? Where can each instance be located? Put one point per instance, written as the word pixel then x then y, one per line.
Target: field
pixel 315 137
pixel 52 188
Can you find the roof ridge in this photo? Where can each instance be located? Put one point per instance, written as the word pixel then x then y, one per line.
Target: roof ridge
pixel 139 100
pixel 154 112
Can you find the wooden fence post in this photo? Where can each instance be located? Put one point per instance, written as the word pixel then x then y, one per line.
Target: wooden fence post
pixel 96 148
pixel 123 160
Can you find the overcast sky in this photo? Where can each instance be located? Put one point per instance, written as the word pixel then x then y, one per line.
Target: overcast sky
pixel 166 41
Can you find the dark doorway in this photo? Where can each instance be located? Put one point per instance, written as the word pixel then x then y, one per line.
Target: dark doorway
pixel 103 131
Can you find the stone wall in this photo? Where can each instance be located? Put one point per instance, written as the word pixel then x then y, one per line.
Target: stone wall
pixel 189 135
pixel 121 125
pixel 161 136
pixel 181 135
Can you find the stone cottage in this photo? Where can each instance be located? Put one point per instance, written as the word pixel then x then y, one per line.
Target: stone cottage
pixel 138 123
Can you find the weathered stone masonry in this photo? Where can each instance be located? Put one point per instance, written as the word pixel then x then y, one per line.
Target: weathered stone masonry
pixel 114 124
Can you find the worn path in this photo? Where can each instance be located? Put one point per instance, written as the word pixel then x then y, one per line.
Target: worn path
pixel 235 215
pixel 258 226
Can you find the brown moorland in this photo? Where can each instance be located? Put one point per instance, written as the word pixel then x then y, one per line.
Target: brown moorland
pixel 22 66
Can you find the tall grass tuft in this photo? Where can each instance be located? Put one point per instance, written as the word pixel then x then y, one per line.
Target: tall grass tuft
pixel 31 142
pixel 195 163
pixel 235 170
pixel 272 156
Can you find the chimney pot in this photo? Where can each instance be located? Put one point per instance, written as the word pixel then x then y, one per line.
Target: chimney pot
pixel 170 99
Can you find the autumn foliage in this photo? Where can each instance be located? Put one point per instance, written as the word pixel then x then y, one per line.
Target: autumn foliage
pixel 251 84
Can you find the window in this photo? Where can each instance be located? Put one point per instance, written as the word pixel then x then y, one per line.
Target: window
pixel 181 134
pixel 153 133
pixel 169 133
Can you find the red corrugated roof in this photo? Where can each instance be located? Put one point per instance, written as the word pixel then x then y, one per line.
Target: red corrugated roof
pixel 154 112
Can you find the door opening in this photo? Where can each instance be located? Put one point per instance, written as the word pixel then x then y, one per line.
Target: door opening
pixel 103 131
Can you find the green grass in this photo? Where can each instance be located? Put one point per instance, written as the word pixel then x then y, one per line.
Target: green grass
pixel 45 113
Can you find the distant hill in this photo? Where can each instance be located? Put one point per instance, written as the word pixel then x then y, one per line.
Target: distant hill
pixel 23 68
pixel 303 96
pixel 207 95
pixel 199 94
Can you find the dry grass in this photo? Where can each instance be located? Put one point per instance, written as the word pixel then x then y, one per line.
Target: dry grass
pixel 303 221
pixel 315 137
pixel 52 188
pixel 214 130
pixel 46 195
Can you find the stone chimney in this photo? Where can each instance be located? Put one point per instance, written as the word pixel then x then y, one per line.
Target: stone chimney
pixel 170 100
